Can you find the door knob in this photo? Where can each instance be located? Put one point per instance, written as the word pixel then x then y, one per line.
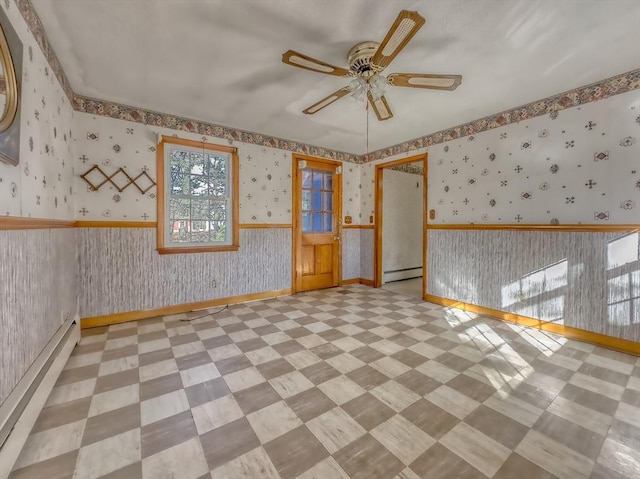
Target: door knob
pixel 336 238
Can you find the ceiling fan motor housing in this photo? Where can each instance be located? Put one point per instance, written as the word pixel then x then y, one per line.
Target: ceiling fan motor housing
pixel 359 59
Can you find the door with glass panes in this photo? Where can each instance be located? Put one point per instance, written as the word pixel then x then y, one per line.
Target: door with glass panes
pixel 317 223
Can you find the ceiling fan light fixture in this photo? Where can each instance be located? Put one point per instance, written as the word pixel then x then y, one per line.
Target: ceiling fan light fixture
pixel 358 88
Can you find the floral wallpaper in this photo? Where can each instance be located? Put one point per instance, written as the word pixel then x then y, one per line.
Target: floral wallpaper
pixel 552 105
pixel 40 185
pixel 578 165
pixel 265 173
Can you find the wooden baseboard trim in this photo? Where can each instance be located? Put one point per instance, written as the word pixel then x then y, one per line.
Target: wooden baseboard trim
pixel 619 344
pixel 20 223
pixel 556 228
pixel 366 282
pixel 116 224
pixel 117 318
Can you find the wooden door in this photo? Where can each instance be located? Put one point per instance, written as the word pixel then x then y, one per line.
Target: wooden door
pixel 317 215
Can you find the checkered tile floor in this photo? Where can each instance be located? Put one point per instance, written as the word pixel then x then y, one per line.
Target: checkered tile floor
pixel 344 383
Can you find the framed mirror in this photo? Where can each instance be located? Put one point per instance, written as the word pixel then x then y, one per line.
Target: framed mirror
pixel 8 86
pixel 10 91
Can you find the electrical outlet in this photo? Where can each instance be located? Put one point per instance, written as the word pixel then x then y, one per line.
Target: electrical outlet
pixel 214 284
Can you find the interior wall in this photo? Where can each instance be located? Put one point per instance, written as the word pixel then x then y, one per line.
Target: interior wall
pixel 265 198
pixel 37 267
pixel 401 225
pixel 574 166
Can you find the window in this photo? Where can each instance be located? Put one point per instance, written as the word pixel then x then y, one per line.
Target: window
pixel 197 197
pixel 317 201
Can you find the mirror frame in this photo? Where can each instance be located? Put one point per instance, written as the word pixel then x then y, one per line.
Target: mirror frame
pixel 11 85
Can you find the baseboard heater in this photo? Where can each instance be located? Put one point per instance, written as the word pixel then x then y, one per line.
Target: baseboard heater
pixel 20 410
pixel 400 274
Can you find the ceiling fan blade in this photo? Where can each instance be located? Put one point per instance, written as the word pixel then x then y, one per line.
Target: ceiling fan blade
pixel 302 61
pixel 403 29
pixel 380 107
pixel 425 80
pixel 336 95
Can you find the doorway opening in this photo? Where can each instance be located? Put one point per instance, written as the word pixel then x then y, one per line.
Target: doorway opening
pixel 400 222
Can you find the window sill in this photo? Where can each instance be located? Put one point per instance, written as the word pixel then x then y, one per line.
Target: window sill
pixel 198 249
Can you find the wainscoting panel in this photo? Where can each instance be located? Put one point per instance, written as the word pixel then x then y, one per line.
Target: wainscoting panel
pixel 120 270
pixel 366 253
pixel 589 281
pixel 350 253
pixel 38 283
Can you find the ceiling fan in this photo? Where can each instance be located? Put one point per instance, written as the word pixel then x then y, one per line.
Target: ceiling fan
pixel 366 62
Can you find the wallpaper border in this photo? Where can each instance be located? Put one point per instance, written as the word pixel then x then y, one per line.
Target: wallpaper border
pixel 37 30
pixel 551 105
pixel 599 90
pixel 120 111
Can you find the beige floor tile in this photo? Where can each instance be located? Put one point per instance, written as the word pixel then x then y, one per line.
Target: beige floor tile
pixel 51 443
pixel 187 349
pixel 348 344
pixel 452 401
pixel 118 365
pixel 345 363
pixel 581 415
pixel 341 389
pixel 273 421
pixel 149 346
pixel 390 367
pixel 254 464
pixel 224 352
pixel 335 429
pixel 327 469
pixel 199 374
pixel 402 438
pixel 629 414
pixel 216 413
pixel 302 359
pixel 114 399
pixel 599 386
pixel 186 461
pixel 103 457
pixel 516 409
pixel 477 449
pixel 163 406
pixel 290 384
pixel 554 457
pixel 620 458
pixel 243 379
pixel 159 369
pixel 262 355
pixel 394 395
pixel 71 392
pixel 386 347
pixel 437 371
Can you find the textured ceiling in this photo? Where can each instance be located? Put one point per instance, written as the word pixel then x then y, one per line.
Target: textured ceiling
pixel 220 60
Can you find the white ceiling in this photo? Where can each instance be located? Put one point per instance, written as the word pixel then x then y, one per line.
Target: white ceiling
pixel 220 60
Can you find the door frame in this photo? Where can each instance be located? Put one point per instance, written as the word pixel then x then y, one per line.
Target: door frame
pixel 296 199
pixel 377 225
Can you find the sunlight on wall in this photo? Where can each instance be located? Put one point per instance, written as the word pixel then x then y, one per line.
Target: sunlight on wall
pixel 539 294
pixel 623 280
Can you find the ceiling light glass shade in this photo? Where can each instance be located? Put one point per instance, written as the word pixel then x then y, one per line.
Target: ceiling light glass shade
pixel 377 86
pixel 358 87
